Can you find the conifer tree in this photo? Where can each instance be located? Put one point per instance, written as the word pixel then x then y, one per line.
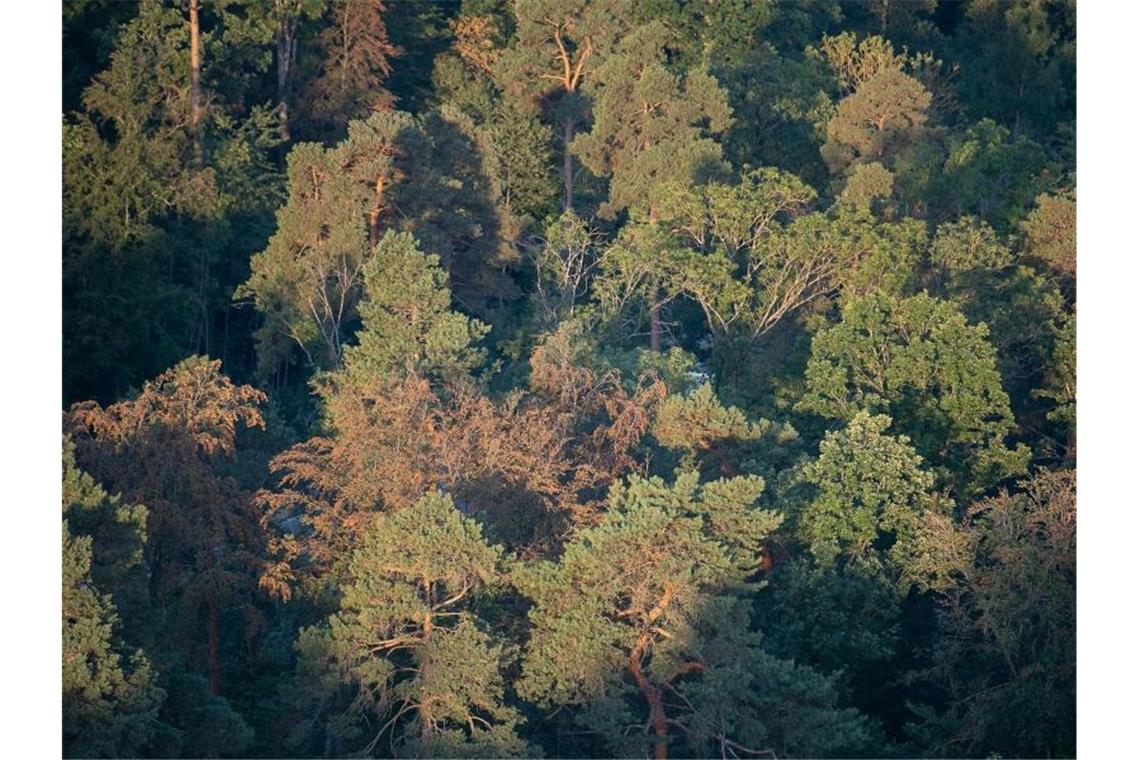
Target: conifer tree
pixel 166 448
pixel 651 125
pixel 639 627
pixel 407 325
pixel 557 48
pixel 356 59
pixel 110 697
pixel 420 673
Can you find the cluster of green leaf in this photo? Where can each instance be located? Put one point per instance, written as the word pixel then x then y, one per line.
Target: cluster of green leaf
pixel 564 378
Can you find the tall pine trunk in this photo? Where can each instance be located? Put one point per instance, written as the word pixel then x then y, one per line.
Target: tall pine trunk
pixel 286 54
pixel 195 84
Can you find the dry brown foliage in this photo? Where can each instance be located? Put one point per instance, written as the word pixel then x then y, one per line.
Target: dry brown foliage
pixel 534 464
pixel 166 449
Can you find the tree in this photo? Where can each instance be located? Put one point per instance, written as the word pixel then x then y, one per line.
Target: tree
pixel 639 628
pixel 1051 237
pixel 355 61
pixel 407 326
pixel 167 448
pixel 532 465
pixel 162 199
pixel 557 47
pixel 1024 311
pixel 408 643
pixel 870 490
pixel 286 17
pixel 917 360
pixel 720 440
pixel 110 701
pixel 880 119
pixel 110 698
pixel 651 125
pixel 1007 581
pixel 847 252
pixel 1018 63
pixel 307 281
pixel 643 271
pixel 989 173
pixel 565 262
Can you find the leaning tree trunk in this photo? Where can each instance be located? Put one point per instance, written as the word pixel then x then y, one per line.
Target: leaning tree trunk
pixel 652 694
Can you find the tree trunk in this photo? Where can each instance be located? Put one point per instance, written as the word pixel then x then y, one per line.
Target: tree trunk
pixel 567 165
pixel 212 646
pixel 195 84
pixel 655 328
pixel 286 54
pixel 652 696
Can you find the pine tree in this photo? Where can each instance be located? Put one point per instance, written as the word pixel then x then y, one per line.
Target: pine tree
pixel 651 125
pixel 640 628
pixel 110 697
pixel 407 326
pixel 167 448
pixel 416 666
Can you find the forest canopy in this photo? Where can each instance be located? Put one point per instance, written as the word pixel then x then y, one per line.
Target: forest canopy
pixel 553 378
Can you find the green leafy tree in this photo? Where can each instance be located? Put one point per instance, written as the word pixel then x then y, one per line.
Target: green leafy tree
pixel 639 627
pixel 407 659
pixel 1024 310
pixel 990 173
pixel 110 700
pixel 1018 63
pixel 164 194
pixel 918 361
pixel 1051 237
pixel 870 490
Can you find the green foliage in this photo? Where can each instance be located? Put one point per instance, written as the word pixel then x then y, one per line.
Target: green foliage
pixel 720 440
pixel 651 125
pixel 1018 63
pixel 110 700
pixel 407 326
pixel 602 242
pixel 871 490
pixel 989 175
pixel 919 361
pixel 408 645
pixel 879 120
pixel 645 605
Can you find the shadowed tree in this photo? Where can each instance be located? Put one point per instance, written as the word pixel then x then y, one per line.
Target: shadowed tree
pixel 167 448
pixel 355 61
